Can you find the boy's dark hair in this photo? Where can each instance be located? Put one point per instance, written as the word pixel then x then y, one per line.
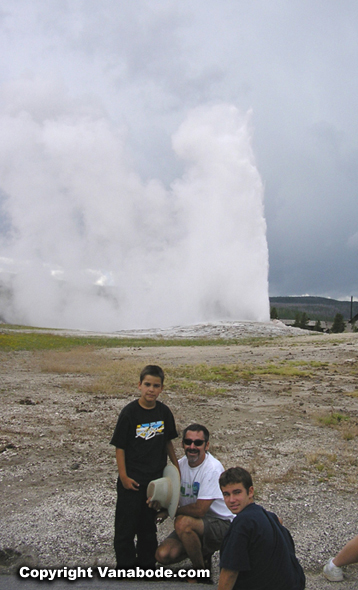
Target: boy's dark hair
pixel 153 371
pixel 236 475
pixel 197 428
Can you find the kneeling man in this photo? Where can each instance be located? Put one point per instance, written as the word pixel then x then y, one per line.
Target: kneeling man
pixel 202 518
pixel 257 552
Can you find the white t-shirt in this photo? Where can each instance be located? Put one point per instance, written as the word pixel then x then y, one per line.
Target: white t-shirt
pixel 202 483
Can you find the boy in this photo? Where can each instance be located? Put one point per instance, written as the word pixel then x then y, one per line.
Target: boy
pixel 257 552
pixel 143 440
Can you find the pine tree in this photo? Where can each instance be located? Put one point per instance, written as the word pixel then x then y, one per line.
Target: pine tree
pixel 273 313
pixel 338 324
pixel 318 327
pixel 297 321
pixel 304 321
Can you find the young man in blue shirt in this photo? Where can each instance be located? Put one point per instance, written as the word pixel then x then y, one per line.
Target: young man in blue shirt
pixel 257 553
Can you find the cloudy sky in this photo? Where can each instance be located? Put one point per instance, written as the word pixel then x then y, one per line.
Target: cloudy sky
pixel 138 69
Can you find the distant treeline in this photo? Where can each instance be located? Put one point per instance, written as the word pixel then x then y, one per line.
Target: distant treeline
pixel 316 308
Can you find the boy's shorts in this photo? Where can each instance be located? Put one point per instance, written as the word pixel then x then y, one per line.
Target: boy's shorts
pixel 215 530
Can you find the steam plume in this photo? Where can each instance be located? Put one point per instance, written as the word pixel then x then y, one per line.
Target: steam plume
pixel 88 244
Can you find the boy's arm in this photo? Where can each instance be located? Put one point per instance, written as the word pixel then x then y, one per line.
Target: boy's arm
pixel 227 579
pixel 172 455
pixel 127 482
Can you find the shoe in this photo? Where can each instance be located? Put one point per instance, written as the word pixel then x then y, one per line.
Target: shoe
pixel 207 566
pixel 207 562
pixel 332 572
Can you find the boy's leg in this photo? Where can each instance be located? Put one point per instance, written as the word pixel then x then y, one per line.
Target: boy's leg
pixel 146 534
pixel 125 526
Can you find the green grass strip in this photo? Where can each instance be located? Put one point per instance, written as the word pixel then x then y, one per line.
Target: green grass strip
pixel 30 340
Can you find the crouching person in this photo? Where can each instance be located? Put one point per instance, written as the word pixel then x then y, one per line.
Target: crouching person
pixel 202 519
pixel 257 553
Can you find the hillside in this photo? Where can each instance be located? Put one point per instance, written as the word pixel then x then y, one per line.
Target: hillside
pixel 317 308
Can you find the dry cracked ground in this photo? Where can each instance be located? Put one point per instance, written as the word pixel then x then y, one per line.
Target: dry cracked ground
pixel 286 408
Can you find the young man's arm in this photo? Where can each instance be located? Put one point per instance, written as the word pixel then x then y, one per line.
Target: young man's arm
pixel 172 455
pixel 127 482
pixel 227 579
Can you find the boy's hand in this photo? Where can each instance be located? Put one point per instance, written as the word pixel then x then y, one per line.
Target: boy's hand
pixel 130 484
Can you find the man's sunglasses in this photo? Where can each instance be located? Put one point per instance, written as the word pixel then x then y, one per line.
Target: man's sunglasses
pixel 198 442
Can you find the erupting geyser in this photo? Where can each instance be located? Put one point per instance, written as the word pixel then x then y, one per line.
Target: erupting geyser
pixel 89 245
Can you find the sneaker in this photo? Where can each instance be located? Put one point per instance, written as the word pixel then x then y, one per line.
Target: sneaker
pixel 207 562
pixel 332 572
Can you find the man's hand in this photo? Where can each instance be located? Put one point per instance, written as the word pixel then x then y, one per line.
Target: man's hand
pixel 161 516
pixel 129 483
pixel 156 505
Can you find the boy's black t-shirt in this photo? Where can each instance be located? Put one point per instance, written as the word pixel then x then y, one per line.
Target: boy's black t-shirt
pixel 143 435
pixel 262 551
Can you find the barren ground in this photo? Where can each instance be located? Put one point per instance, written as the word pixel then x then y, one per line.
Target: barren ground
pixel 285 408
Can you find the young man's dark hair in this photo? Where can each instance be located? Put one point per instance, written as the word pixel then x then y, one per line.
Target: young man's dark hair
pixel 236 475
pixel 197 428
pixel 154 371
pixel 257 550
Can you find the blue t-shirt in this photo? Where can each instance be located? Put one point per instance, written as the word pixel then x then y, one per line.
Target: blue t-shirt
pixel 262 551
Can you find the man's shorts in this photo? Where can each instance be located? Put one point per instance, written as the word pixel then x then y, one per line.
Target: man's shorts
pixel 215 530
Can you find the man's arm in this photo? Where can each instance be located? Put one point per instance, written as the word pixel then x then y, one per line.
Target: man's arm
pixel 197 509
pixel 227 579
pixel 172 455
pixel 127 482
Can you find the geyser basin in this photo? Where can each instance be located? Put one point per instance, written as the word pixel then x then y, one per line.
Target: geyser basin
pixel 94 247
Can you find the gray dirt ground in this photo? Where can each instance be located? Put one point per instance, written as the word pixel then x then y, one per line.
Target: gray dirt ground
pixel 58 471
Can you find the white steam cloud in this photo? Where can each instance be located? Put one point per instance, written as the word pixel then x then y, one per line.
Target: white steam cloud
pixel 87 244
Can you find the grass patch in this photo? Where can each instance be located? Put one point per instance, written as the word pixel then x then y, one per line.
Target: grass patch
pixel 17 339
pixel 121 376
pixel 324 463
pixel 351 393
pixel 292 474
pixel 236 372
pixel 344 424
pixel 285 370
pixel 20 327
pixel 350 432
pixel 83 360
pixel 117 375
pixel 105 376
pixel 318 457
pixel 333 419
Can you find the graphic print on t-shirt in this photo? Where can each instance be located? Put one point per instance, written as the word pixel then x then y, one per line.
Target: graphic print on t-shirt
pixel 150 430
pixel 190 491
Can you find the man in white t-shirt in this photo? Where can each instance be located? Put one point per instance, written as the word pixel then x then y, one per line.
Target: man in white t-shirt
pixel 202 518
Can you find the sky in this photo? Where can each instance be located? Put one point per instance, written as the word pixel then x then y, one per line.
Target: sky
pixel 115 97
